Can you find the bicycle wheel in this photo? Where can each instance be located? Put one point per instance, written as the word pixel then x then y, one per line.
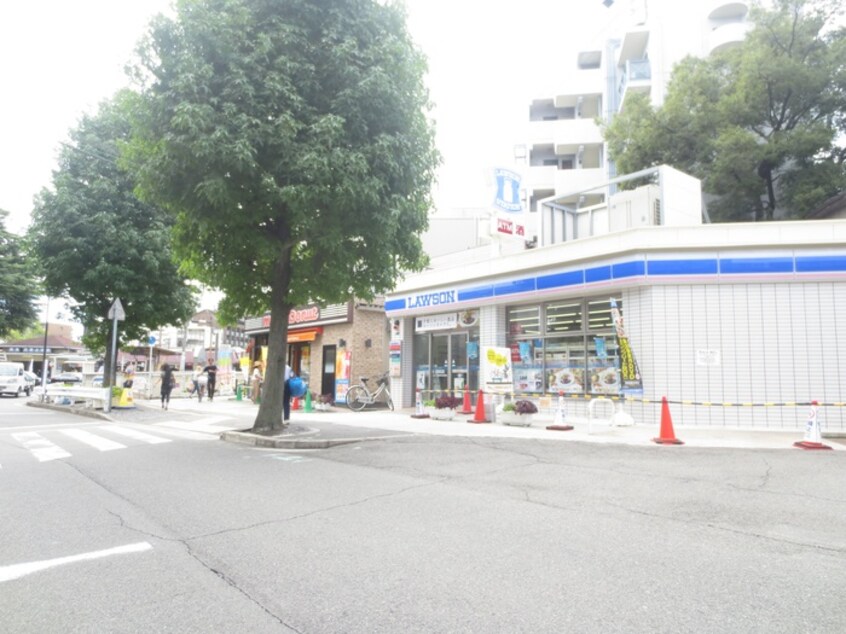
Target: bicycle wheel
pixel 356 398
pixel 390 401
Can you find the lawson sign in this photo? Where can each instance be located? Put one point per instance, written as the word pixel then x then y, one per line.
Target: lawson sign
pixel 439 298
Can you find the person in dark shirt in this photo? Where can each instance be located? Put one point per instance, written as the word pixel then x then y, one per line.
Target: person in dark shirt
pixel 211 371
pixel 167 384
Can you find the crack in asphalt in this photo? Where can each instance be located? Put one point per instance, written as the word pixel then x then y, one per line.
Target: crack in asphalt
pixel 183 541
pixel 236 529
pixel 728 529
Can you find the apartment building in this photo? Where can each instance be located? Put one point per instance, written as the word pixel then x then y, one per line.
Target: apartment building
pixel 564 154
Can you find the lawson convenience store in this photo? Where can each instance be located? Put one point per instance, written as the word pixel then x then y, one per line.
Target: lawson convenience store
pixel 736 324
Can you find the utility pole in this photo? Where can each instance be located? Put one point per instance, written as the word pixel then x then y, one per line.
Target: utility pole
pixel 44 352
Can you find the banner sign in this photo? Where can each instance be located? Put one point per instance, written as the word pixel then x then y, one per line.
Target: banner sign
pixel 629 371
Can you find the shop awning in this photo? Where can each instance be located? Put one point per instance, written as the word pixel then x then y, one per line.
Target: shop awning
pixel 303 334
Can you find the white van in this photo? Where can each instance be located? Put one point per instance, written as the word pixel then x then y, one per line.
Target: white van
pixel 12 379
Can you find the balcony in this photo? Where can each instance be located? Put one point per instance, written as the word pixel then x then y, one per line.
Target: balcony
pixel 563 181
pixel 566 135
pixel 633 45
pixel 636 76
pixel 727 35
pixel 728 9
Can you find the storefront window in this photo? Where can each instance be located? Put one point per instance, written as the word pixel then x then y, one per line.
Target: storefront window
pixel 524 321
pixel 564 346
pixel 599 314
pixel 563 317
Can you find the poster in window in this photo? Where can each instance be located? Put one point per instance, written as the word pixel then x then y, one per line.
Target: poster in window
pixel 528 379
pixel 496 366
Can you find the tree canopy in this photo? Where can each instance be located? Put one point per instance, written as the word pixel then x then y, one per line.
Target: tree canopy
pixel 761 124
pixel 18 286
pixel 290 140
pixel 96 241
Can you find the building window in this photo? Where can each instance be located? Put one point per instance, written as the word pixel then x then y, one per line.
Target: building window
pixel 564 346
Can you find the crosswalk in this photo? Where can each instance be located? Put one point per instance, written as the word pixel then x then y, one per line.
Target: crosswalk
pixel 46 443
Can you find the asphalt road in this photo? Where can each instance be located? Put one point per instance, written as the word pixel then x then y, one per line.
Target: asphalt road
pixel 175 531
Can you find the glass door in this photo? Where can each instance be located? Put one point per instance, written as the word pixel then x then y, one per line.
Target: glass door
pixel 449 362
pixel 458 361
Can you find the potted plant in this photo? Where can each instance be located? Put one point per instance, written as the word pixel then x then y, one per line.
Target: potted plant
pixel 518 413
pixel 445 407
pixel 323 403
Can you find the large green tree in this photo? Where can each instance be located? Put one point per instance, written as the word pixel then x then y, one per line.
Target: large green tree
pixel 761 124
pixel 96 241
pixel 291 142
pixel 18 286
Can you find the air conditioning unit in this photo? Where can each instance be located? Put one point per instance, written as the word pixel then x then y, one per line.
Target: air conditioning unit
pixel 639 207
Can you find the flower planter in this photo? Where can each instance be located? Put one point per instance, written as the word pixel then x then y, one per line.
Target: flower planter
pixel 512 418
pixel 441 414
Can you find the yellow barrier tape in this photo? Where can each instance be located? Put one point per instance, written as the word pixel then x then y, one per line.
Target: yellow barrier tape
pixel 431 394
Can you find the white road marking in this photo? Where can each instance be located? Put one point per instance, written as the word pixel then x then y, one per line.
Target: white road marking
pixel 51 426
pixel 200 426
pixel 135 434
pixel 289 458
pixel 164 428
pixel 40 447
pixel 16 571
pixel 98 442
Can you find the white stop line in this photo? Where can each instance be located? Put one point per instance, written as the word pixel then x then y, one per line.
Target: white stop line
pixel 16 571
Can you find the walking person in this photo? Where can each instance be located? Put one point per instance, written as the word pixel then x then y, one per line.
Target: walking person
pixel 255 388
pixel 211 371
pixel 167 384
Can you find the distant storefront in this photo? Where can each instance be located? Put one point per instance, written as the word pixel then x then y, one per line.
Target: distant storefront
pixel 59 352
pixel 328 347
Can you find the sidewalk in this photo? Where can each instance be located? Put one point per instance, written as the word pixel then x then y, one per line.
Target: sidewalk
pixel 341 426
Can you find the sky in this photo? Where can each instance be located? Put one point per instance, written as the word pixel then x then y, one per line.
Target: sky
pixel 487 60
pixel 60 59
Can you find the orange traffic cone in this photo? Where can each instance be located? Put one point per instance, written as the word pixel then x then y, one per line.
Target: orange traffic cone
pixel 295 404
pixel 480 410
pixel 813 435
pixel 667 437
pixel 468 408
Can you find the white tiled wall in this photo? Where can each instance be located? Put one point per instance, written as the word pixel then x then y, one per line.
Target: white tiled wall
pixel 777 343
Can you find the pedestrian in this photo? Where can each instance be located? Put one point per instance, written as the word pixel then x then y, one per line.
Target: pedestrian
pixel 168 381
pixel 255 387
pixel 286 395
pixel 211 371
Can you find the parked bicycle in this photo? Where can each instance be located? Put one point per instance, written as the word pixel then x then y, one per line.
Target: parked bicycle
pixel 360 396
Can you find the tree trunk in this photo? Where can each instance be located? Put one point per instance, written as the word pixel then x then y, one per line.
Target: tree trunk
pixel 269 417
pixel 771 199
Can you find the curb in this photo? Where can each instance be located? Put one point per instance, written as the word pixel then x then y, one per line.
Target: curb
pixel 70 409
pixel 257 440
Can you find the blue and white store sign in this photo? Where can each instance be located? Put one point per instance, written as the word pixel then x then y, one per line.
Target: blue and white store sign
pixel 637 269
pixel 507 190
pixel 508 204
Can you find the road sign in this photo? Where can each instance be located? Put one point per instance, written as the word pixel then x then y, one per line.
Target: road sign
pixel 116 311
pixel 151 340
